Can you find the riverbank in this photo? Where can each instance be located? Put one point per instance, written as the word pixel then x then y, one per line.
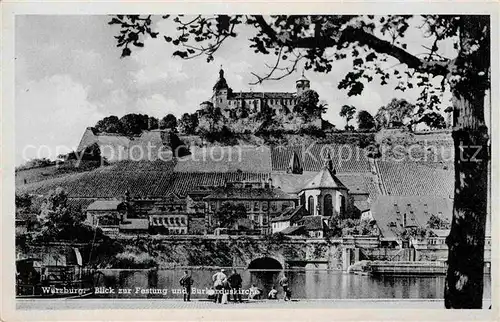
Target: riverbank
pixel 155 304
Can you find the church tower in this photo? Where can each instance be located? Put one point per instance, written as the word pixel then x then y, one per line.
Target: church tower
pixel 220 91
pixel 302 84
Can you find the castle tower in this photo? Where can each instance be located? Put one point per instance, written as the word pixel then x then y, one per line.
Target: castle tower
pixel 220 91
pixel 302 84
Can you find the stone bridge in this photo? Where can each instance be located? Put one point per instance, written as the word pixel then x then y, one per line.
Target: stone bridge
pixel 292 253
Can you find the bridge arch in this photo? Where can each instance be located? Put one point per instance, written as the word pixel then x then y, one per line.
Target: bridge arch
pixel 265 263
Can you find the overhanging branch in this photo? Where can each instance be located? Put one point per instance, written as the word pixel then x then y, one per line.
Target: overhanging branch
pixel 353 34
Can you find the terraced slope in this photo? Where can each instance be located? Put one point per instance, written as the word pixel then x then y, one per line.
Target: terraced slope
pixel 416 179
pixel 346 158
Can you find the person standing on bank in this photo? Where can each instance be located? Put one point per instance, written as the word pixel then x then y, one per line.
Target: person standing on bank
pixel 186 281
pixel 218 279
pixel 235 281
pixel 286 290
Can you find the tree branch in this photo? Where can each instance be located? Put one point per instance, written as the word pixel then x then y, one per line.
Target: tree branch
pixel 353 34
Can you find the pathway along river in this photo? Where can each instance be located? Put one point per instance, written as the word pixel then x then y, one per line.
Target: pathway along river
pixel 305 284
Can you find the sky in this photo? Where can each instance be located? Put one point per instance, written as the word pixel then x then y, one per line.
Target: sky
pixel 69 75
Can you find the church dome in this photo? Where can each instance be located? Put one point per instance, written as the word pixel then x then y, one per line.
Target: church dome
pixel 221 82
pixel 302 78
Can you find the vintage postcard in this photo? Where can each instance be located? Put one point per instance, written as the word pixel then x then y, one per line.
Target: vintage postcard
pixel 228 161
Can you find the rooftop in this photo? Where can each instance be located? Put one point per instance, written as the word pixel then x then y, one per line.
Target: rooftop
pixel 226 159
pixel 135 223
pixel 389 212
pixel 416 179
pixel 290 213
pixel 345 157
pixel 248 193
pixel 262 95
pixel 291 230
pixel 312 222
pixel 324 179
pixel 102 205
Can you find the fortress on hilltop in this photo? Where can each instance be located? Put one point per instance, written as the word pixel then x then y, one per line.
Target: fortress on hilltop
pixel 230 101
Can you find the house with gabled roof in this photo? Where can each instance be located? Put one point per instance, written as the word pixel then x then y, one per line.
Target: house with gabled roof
pixel 315 226
pixel 395 216
pixel 107 215
pixel 287 218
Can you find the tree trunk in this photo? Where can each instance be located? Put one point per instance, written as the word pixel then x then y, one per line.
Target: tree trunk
pixel 464 279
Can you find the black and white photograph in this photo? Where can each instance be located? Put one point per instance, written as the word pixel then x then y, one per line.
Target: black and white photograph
pixel 253 161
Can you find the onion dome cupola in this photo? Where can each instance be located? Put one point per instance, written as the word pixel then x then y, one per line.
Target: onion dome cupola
pixel 302 84
pixel 221 82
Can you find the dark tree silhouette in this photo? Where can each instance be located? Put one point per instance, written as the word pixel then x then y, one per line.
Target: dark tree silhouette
pixel 109 124
pixel 395 114
pixel 178 147
pixel 129 124
pixel 365 120
pixel 188 123
pixel 347 111
pixel 228 214
pixel 153 123
pixel 168 122
pixel 433 120
pixel 213 115
pixel 308 105
pixel 134 124
pixel 319 40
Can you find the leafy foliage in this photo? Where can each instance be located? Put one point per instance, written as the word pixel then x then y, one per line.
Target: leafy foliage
pixel 35 163
pixel 413 232
pixel 58 221
pixel 129 124
pixel 23 202
pixel 188 123
pixel 211 117
pixel 296 38
pixel 168 122
pixel 109 124
pixel 153 123
pixel 228 214
pixel 438 222
pixel 308 106
pixel 349 227
pixel 395 114
pixel 433 120
pixel 134 124
pixel 365 120
pixel 90 153
pixel 224 136
pixel 348 112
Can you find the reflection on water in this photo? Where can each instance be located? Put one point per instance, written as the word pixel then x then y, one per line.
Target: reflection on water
pixel 318 284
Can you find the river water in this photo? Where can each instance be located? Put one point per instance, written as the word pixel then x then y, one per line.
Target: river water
pixel 305 284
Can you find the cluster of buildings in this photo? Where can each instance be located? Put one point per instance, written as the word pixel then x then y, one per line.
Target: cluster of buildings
pixel 232 103
pixel 301 191
pixel 268 209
